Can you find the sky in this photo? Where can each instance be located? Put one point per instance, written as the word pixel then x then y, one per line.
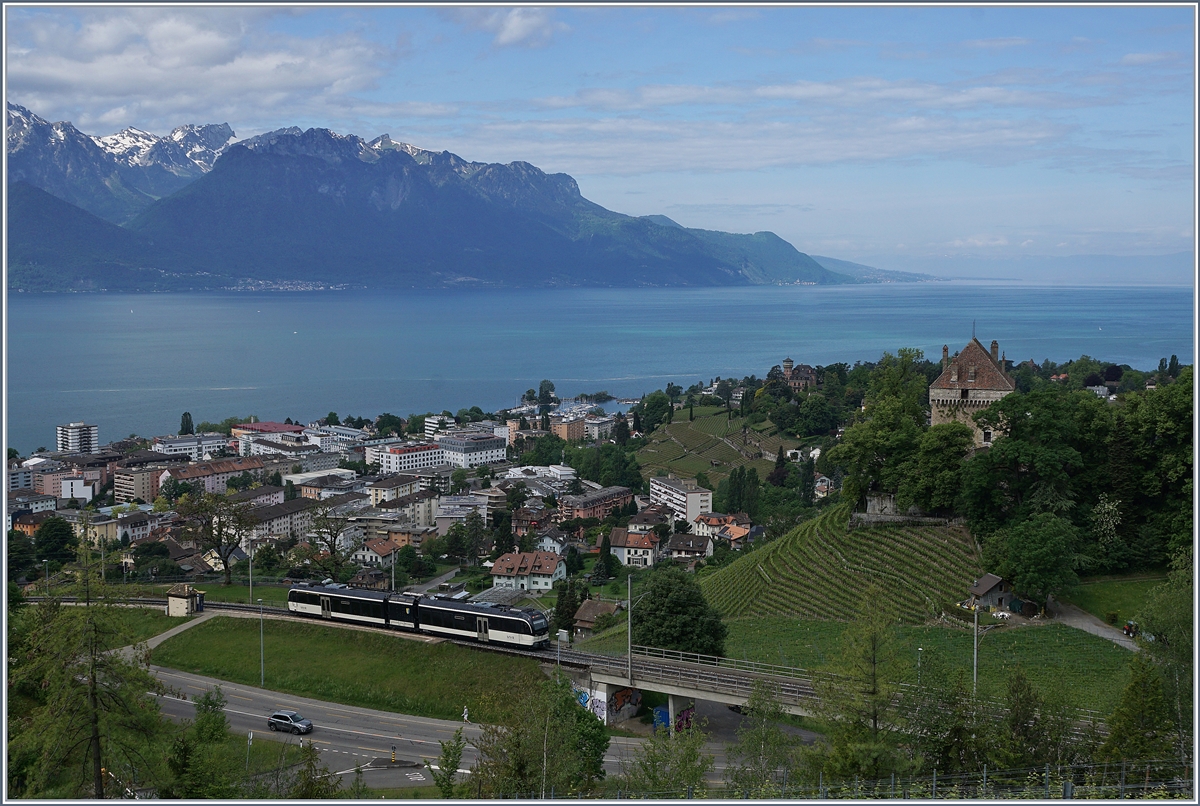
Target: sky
pixel 898 136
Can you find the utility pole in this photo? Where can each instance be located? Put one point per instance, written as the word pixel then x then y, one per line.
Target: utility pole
pixel 629 630
pixel 262 652
pixel 975 646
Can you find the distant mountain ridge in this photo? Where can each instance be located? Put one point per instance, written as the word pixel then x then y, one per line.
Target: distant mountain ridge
pixel 315 206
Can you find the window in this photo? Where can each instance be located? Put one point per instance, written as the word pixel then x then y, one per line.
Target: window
pixel 987 436
pixel 971 373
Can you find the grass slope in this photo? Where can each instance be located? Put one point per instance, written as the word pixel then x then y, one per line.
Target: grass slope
pixel 821 569
pixel 353 667
pixel 1121 596
pixel 686 448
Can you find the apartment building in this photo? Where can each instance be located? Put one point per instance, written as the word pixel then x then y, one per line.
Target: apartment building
pixel 78 437
pixel 685 498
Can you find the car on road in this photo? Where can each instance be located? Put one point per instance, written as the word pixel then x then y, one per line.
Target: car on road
pixel 289 721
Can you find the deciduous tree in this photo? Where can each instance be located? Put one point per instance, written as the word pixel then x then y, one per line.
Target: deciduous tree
pixel 217 524
pixel 674 615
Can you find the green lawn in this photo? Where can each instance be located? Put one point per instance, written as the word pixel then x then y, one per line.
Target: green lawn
pixel 1121 596
pixel 366 669
pixel 239 593
pixel 146 622
pixel 1079 669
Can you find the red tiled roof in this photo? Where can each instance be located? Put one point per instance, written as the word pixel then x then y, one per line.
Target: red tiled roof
pixel 988 373
pixel 526 563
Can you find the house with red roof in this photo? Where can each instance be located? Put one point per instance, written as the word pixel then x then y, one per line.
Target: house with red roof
pixel 528 570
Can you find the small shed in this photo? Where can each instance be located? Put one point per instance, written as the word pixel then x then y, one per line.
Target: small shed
pixel 184 600
pixel 588 612
pixel 991 591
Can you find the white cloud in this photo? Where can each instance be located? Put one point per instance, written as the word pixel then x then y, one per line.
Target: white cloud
pixel 1135 59
pixel 158 67
pixel 526 27
pixel 978 241
pixel 998 43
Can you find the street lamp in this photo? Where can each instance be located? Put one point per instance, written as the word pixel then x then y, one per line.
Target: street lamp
pixel 262 653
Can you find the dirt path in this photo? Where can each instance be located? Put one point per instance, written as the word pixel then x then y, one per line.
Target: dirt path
pixel 1072 616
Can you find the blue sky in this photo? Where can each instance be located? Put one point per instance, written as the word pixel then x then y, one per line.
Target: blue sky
pixel 879 134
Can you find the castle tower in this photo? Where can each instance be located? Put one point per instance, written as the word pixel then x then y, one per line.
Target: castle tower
pixel 969 383
pixel 787 367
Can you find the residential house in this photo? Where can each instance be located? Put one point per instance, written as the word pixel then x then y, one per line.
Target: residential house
pixel 633 549
pixel 371 579
pixel 588 612
pixel 798 376
pixel 289 519
pixel 376 553
pixel 991 592
pixel 528 571
pixel 688 547
pixel 653 515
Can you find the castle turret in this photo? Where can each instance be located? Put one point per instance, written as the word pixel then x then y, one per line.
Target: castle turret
pixel 787 367
pixel 995 350
pixel 945 356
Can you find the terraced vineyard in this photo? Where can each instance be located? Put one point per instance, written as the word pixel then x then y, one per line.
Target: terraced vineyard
pixel 821 570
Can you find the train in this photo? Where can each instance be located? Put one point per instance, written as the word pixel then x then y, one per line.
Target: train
pixel 485 622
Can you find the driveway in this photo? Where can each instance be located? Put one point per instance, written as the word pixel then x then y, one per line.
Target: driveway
pixel 1072 616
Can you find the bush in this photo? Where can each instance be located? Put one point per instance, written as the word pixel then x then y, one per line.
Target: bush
pixel 1111 617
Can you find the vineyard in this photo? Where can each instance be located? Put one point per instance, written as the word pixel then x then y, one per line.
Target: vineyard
pixel 710 444
pixel 821 569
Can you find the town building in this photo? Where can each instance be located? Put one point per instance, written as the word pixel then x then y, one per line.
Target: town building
pixel 798 376
pixel 267 429
pixel 596 428
pixel 258 496
pixel 78 488
pixel 687 547
pixel 653 515
pixel 970 382
pixel 419 508
pixel 528 571
pixel 330 485
pixel 193 446
pixel 19 476
pixel 437 424
pixel 472 448
pixel 136 483
pixel 570 430
pixel 213 475
pixel 684 497
pixel 78 437
pixel 405 456
pixel 633 549
pixel 392 487
pixel 589 612
pixel 595 503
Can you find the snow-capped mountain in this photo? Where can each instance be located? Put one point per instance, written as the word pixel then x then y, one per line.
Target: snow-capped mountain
pixel 113 176
pixel 203 144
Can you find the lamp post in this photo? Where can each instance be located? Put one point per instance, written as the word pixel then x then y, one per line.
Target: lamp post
pixel 46 566
pixel 262 653
pixel 250 542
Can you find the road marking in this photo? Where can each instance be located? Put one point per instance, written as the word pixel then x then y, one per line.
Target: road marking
pixel 240 697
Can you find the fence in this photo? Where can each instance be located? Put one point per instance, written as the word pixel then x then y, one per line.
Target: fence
pixel 1116 781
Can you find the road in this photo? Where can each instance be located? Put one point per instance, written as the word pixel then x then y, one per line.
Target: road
pixel 348 736
pixel 1072 616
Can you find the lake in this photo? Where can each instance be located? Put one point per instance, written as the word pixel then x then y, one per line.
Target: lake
pixel 132 363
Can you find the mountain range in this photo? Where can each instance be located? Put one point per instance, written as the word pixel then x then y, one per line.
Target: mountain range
pixel 197 209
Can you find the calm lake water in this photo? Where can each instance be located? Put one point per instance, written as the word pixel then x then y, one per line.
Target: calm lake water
pixel 132 363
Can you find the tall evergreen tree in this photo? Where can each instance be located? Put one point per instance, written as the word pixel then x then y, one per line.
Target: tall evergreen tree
pixel 185 424
pixel 779 473
pixel 1140 727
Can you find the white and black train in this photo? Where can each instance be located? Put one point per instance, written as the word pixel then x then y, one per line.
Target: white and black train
pixel 477 621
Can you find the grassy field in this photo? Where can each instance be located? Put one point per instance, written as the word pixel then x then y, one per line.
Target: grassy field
pixel 371 670
pixel 272 595
pixel 821 569
pixel 686 448
pixel 1121 596
pixel 1071 666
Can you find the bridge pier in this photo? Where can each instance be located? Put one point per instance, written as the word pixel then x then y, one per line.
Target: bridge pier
pixel 677 705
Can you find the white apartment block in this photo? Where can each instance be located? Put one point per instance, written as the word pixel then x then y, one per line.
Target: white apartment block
pixel 405 456
pixel 78 438
pixel 193 446
pixel 473 448
pixel 598 427
pixel 683 496
pixel 437 424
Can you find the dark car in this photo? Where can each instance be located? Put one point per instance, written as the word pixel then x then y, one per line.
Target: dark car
pixel 289 721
